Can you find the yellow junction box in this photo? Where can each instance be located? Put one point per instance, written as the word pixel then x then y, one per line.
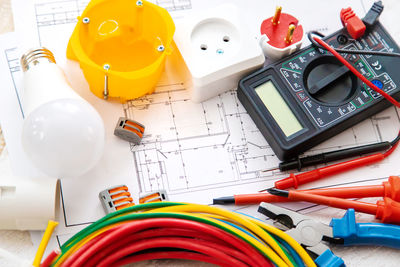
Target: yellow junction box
pixel 121 46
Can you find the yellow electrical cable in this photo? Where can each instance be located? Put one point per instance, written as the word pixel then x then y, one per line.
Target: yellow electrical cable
pixel 271 229
pixel 293 243
pixel 237 217
pixel 43 243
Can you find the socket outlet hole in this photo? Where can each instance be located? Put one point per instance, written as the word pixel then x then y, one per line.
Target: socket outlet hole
pixel 226 38
pixel 203 47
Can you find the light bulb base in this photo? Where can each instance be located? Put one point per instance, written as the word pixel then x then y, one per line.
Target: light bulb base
pixel 36 56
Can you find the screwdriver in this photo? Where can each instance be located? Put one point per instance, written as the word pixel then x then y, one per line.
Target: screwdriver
pixel 322 158
pixel 390 189
pixel 387 210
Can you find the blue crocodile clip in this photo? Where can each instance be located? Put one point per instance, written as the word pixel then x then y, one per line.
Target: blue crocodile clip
pixel 311 233
pixel 354 233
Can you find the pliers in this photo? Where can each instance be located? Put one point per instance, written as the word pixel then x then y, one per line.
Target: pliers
pixel 310 233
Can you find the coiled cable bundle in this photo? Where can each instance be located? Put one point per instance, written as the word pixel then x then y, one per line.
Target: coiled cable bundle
pixel 169 230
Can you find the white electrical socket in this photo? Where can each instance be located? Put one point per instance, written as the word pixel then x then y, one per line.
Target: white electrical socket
pixel 218 51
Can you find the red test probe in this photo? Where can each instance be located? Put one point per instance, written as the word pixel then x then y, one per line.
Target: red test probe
pixel 390 189
pixel 294 180
pixel 387 210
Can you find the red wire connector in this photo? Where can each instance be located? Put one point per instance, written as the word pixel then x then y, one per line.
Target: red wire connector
pixel 354 24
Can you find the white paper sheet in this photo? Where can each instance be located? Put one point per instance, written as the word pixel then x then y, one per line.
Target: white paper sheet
pixel 194 151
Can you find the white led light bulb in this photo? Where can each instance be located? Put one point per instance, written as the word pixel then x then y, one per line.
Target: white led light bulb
pixel 63 134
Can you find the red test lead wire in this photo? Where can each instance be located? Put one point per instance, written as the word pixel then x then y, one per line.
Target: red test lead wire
pixel 294 180
pixel 357 73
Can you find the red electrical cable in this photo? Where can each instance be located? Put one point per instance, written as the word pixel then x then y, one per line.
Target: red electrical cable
pixel 168 255
pixel 77 253
pixel 182 243
pixel 356 72
pixel 258 259
pixel 158 232
pixel 86 252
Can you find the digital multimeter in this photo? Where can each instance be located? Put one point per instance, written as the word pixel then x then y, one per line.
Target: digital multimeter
pixel 308 97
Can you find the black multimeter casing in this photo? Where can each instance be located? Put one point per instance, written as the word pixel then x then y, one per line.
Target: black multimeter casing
pixel 334 117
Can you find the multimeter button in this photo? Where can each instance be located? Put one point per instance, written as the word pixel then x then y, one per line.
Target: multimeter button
pixel 391 85
pixel 377 83
pixel 302 96
pixel 293 78
pixel 342 39
pixel 353 58
pixel 362 98
pixel 374 94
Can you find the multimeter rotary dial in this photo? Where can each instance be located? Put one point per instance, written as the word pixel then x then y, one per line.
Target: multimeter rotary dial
pixel 329 81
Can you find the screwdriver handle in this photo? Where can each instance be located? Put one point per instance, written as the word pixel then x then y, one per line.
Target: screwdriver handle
pixel 306 177
pixel 300 163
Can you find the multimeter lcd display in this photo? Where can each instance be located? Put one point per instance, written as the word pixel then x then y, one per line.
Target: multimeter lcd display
pixel 278 108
